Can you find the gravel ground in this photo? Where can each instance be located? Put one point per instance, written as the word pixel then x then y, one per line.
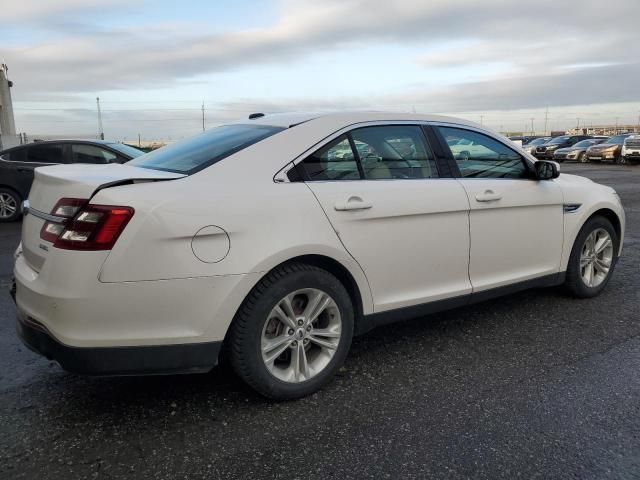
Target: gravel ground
pixel 533 385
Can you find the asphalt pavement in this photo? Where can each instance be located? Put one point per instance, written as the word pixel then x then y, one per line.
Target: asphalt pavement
pixel 533 385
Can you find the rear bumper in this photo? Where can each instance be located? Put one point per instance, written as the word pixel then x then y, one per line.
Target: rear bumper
pixel 148 359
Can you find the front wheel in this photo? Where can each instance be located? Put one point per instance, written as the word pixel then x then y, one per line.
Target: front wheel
pixel 582 158
pixel 293 332
pixel 593 258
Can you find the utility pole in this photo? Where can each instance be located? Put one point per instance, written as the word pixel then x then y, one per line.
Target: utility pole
pixel 532 130
pixel 546 120
pixel 203 115
pixel 481 120
pixel 617 118
pixel 578 125
pixel 138 140
pixel 100 129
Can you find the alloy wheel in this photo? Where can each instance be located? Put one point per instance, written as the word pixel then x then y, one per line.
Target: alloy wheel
pixel 301 335
pixel 8 205
pixel 596 257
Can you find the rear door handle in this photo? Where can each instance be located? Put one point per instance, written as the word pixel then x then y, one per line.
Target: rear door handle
pixel 354 202
pixel 488 196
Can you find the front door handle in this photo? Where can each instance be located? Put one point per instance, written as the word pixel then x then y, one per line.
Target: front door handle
pixel 354 202
pixel 488 196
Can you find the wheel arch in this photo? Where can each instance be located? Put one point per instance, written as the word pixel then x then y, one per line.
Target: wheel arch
pixel 613 218
pixel 331 265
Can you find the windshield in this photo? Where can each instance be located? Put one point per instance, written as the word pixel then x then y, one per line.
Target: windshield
pixel 617 140
pixel 127 150
pixel 585 143
pixel 199 152
pixel 557 140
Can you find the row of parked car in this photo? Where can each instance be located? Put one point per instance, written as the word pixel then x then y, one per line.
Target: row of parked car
pixel 584 148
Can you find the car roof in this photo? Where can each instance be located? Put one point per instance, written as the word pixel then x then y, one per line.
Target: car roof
pixel 287 120
pixel 60 140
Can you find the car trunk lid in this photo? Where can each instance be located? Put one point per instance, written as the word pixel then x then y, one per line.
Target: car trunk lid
pixel 72 181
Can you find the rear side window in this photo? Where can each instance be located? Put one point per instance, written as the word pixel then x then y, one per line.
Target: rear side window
pixel 16 155
pixel 480 156
pixel 196 153
pixel 44 154
pixel 334 161
pixel 82 153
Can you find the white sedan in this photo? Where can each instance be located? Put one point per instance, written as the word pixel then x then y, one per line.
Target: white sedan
pixel 274 240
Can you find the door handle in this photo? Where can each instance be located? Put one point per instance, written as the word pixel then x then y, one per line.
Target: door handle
pixel 354 202
pixel 488 196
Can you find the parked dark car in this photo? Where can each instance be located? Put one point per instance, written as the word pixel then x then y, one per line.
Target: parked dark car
pixel 547 150
pixel 609 151
pixel 536 142
pixel 17 165
pixel 577 152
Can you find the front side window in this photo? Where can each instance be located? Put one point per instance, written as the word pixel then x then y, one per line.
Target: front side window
pixel 482 156
pixel 334 161
pixel 394 152
pixel 199 152
pixel 82 153
pixel 48 153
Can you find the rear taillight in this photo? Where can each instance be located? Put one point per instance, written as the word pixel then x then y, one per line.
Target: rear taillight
pixel 85 226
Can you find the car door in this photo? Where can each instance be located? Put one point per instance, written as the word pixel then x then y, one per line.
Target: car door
pixel 403 222
pixel 33 156
pixel 516 221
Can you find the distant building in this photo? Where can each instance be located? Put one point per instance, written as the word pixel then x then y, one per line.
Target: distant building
pixel 8 137
pixel 605 129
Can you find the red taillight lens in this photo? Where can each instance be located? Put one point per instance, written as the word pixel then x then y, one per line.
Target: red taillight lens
pixel 86 226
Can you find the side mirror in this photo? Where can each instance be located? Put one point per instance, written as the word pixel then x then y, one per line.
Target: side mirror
pixel 547 170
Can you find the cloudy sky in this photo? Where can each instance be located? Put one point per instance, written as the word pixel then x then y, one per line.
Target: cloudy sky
pixel 153 63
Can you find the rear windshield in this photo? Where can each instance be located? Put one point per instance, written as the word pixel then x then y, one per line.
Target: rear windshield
pixel 618 140
pixel 199 152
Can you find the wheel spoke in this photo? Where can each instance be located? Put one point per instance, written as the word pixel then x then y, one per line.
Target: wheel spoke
pixel 602 244
pixel 589 274
pixel 602 266
pixel 274 348
pixel 289 322
pixel 322 343
pixel 326 333
pixel 584 261
pixel 316 306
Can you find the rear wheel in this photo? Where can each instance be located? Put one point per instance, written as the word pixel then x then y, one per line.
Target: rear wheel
pixel 593 258
pixel 293 332
pixel 582 158
pixel 10 205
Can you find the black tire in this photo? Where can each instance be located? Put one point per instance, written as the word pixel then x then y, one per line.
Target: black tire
pixel 621 160
pixel 582 158
pixel 246 329
pixel 573 281
pixel 16 199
